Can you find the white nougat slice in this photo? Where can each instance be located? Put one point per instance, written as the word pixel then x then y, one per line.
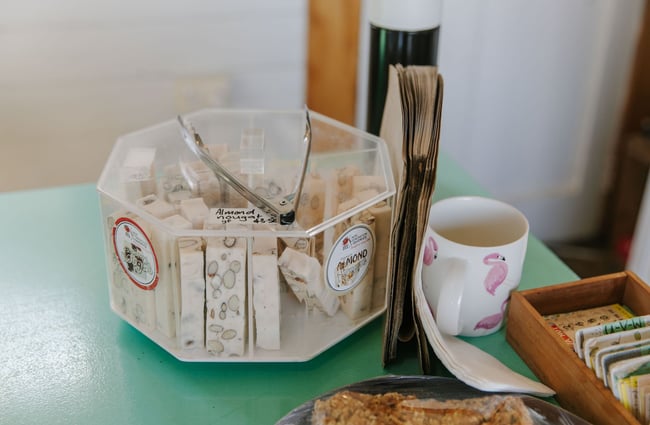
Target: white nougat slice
pixel 128 300
pixel 137 173
pixel 155 206
pixel 266 293
pixel 225 271
pixel 365 195
pixel 195 211
pixel 343 183
pixel 311 210
pixel 217 150
pixel 142 309
pixel 163 293
pixel 120 288
pixel 364 183
pixel 165 245
pixel 339 190
pixel 358 302
pixel 192 293
pixel 173 187
pixel 203 182
pixel 230 196
pixel 305 278
pixel 382 213
pixel 304 245
pixel 365 188
pixel 175 198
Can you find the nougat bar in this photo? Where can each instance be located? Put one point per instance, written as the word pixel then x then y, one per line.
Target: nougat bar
pixel 266 293
pixel 305 278
pixel 225 272
pixel 166 290
pixel 195 211
pixel 357 303
pixel 137 173
pixel 192 293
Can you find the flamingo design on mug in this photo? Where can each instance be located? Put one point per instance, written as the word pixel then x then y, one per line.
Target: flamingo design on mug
pixel 497 273
pixel 493 320
pixel 430 251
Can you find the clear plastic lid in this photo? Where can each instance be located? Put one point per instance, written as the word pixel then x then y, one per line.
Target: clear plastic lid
pixel 266 152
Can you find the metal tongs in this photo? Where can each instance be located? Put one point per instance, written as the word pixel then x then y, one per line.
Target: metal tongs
pixel 282 207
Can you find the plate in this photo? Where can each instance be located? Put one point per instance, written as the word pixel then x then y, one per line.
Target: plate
pixel 441 388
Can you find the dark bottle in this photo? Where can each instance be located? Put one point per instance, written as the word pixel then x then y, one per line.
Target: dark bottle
pixel 404 32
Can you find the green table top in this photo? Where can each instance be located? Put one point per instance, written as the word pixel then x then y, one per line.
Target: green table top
pixel 67 358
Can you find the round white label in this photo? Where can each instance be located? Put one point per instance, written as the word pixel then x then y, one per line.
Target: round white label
pixel 349 258
pixel 135 253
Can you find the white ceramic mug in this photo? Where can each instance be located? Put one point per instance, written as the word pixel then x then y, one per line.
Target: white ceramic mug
pixel 473 255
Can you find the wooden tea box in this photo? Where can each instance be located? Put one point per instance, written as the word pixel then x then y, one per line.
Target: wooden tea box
pixel 553 360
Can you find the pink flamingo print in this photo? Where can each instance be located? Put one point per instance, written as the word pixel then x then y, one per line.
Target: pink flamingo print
pixel 497 273
pixel 493 320
pixel 430 251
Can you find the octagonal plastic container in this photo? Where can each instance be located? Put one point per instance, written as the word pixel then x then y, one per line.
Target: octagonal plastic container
pixel 210 276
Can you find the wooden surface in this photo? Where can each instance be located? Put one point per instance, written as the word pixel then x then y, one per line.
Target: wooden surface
pixel 557 365
pixel 332 58
pixel 638 100
pixel 631 181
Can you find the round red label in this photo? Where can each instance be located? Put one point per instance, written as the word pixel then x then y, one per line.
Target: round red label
pixel 135 253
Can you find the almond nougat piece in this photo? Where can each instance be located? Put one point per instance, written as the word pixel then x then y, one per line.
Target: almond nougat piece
pixel 156 207
pixel 203 183
pixel 343 181
pixel 311 210
pixel 364 183
pixel 192 293
pixel 173 187
pixel 137 173
pixel 266 292
pixel 368 187
pixel 168 289
pixel 225 272
pixel 195 211
pixel 357 303
pixel 305 278
pixel 382 213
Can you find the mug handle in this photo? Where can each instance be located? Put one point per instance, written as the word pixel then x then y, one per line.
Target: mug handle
pixel 451 294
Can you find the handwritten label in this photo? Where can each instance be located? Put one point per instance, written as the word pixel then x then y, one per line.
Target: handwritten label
pixel 241 215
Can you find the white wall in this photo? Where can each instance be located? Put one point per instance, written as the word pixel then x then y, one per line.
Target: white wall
pixel 533 99
pixel 76 74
